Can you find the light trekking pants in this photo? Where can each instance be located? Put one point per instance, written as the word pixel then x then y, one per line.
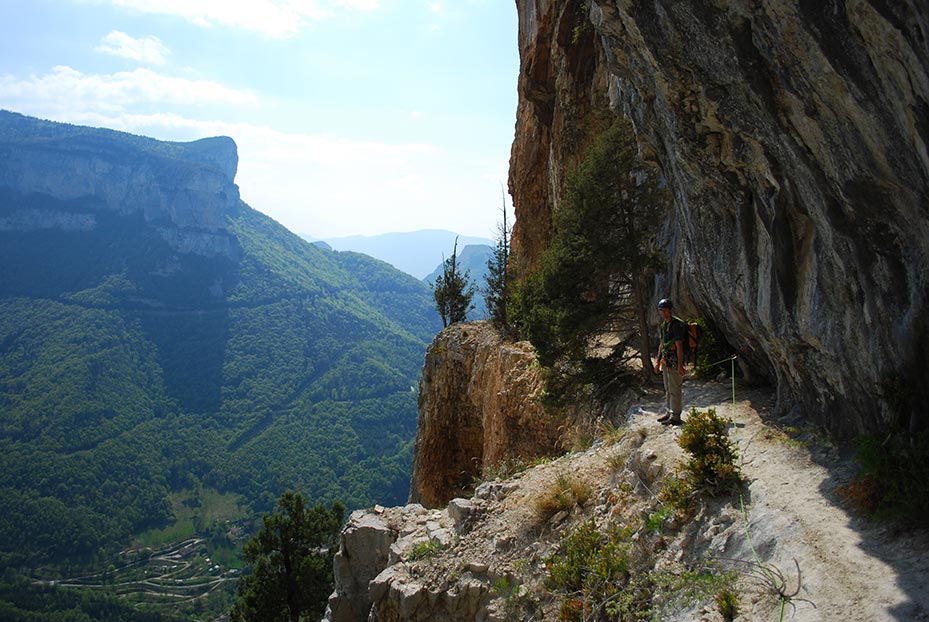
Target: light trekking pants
pixel 673 392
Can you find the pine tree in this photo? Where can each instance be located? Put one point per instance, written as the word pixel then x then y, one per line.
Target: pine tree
pixel 291 560
pixel 452 291
pixel 496 286
pixel 593 279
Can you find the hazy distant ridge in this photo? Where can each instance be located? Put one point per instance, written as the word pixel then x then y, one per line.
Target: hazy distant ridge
pixel 414 252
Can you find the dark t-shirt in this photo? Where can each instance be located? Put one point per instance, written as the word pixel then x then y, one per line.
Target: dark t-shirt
pixel 671 334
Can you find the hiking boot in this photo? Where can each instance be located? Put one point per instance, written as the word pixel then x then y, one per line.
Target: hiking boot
pixel 673 421
pixel 664 417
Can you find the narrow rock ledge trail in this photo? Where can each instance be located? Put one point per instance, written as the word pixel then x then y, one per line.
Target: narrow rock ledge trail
pixel 850 568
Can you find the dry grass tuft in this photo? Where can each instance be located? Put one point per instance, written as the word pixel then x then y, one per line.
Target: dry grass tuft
pixel 562 496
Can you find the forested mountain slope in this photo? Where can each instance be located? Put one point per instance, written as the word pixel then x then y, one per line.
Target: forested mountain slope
pixel 159 337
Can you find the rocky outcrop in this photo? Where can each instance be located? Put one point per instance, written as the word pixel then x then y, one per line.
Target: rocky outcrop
pixel 183 190
pixel 383 553
pixel 491 557
pixel 794 139
pixel 478 408
pixel 374 546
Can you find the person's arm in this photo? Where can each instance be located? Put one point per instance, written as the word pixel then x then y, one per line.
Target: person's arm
pixel 660 351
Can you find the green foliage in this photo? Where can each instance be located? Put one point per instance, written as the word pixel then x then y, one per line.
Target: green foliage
pixel 497 282
pixel 711 466
pixel 291 563
pixel 517 600
pixel 656 520
pixel 892 476
pixel 427 549
pixel 711 349
pixel 591 281
pixel 677 493
pixel 608 573
pixel 127 368
pixel 452 291
pixel 689 587
pixel 148 395
pixel 727 603
pixel 599 575
pixel 21 600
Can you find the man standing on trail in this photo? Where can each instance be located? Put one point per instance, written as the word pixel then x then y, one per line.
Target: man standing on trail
pixel 671 353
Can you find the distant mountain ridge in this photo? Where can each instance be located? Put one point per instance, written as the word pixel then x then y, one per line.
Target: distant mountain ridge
pixel 160 339
pixel 414 252
pixel 181 190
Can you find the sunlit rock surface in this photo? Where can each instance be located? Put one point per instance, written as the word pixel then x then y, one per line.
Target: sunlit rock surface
pixel 478 408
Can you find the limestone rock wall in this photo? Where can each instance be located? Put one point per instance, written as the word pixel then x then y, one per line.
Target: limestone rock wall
pixel 385 569
pixel 184 190
pixel 478 407
pixel 562 82
pixel 793 136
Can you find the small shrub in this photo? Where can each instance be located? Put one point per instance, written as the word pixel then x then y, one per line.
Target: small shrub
pixel 711 466
pixel 891 482
pixel 589 569
pixel 565 493
pixel 611 433
pixel 427 549
pixel 581 491
pixel 502 587
pixel 656 520
pixel 617 460
pixel 606 574
pixel 552 503
pixel 727 603
pixel 516 598
pixel 677 493
pixel 683 587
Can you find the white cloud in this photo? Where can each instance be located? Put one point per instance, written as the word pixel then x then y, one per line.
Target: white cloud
pixel 360 5
pixel 319 184
pixel 148 50
pixel 330 186
pixel 435 7
pixel 275 18
pixel 67 89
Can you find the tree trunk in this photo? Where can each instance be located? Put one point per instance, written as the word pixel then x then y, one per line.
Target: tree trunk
pixel 641 312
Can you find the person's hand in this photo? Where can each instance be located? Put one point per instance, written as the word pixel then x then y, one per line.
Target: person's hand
pixel 657 370
pixel 680 370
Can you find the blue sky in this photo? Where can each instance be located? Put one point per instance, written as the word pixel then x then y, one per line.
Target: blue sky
pixel 351 116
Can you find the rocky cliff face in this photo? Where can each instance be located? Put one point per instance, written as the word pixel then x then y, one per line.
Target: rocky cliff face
pixel 793 136
pixel 478 409
pixel 489 558
pixel 184 190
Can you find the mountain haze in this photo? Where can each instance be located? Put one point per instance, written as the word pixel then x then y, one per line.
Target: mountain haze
pixel 414 252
